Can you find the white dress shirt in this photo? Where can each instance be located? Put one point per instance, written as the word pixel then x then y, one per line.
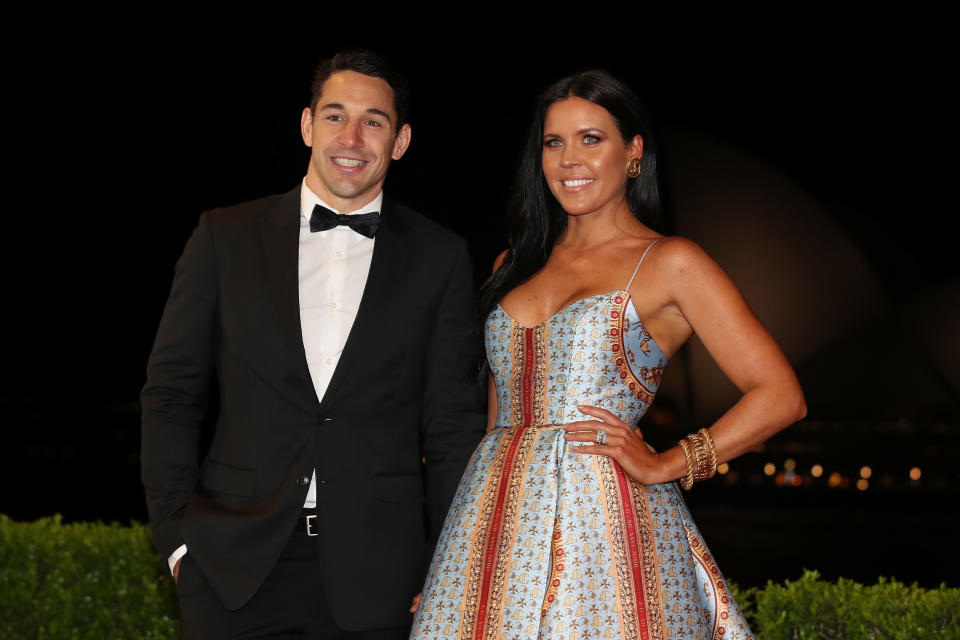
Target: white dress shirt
pixel 332 269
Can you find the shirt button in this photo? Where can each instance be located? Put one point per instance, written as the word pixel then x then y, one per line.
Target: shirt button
pixel 338 254
pixel 329 360
pixel 333 305
pixel 303 481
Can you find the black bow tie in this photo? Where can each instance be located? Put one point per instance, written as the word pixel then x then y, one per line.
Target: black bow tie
pixel 363 223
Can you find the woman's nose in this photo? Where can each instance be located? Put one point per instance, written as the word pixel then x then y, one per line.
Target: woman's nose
pixel 568 158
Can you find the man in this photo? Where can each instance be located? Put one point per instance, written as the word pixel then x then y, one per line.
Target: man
pixel 337 324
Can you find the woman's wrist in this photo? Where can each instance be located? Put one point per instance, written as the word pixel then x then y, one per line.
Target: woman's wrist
pixel 672 464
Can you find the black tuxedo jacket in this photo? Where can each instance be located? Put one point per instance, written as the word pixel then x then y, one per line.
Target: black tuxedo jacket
pixel 389 440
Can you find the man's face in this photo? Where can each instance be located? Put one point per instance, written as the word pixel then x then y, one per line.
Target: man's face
pixel 353 136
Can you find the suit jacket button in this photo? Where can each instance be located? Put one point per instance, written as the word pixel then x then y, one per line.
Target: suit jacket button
pixel 303 481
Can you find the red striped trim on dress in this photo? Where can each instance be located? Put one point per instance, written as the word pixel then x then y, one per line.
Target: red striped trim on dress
pixel 496 522
pixel 493 539
pixel 633 548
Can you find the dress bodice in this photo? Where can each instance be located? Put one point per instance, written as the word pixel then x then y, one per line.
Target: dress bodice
pixel 595 351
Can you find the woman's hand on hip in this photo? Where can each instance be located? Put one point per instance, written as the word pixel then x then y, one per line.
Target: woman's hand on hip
pixel 623 443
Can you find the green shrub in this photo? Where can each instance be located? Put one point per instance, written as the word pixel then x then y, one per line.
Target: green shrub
pixel 746 599
pixel 83 580
pixel 91 580
pixel 813 609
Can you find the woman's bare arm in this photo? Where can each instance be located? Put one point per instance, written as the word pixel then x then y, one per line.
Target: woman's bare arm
pixel 708 303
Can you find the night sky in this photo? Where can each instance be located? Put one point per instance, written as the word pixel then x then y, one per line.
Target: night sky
pixel 123 138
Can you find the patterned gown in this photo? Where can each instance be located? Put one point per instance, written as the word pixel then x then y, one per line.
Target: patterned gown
pixel 541 542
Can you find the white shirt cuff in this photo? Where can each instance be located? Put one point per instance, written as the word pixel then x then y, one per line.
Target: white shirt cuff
pixel 175 556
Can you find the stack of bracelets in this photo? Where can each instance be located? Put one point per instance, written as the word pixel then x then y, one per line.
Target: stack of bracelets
pixel 701 457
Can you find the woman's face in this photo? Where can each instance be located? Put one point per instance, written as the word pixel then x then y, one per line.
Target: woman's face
pixel 584 158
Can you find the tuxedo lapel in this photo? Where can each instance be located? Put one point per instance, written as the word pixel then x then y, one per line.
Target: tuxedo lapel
pixel 391 252
pixel 280 234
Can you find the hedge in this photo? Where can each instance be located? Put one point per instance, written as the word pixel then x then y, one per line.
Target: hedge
pixel 83 580
pixel 92 580
pixel 815 609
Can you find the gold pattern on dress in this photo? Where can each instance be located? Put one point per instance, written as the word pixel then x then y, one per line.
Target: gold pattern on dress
pixel 620 556
pixel 518 349
pixel 496 527
pixel 527 401
pixel 539 367
pixel 620 352
pixel 479 544
pixel 721 595
pixel 651 375
pixel 651 574
pixel 557 570
pixel 508 526
pixel 645 339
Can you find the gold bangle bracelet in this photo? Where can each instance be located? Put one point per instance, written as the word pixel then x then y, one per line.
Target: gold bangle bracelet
pixel 704 470
pixel 687 481
pixel 701 456
pixel 708 438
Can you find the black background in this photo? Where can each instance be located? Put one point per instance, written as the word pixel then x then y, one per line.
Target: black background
pixel 120 136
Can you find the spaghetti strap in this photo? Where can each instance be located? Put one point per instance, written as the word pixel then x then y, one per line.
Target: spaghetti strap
pixel 627 288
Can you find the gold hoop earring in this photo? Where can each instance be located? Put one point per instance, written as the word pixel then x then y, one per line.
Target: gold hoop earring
pixel 634 168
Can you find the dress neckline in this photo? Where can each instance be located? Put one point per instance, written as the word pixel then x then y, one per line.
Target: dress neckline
pixel 560 310
pixel 629 301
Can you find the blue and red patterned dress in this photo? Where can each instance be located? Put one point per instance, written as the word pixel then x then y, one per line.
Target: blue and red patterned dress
pixel 541 542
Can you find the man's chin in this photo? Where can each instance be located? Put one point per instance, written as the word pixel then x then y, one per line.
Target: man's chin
pixel 354 193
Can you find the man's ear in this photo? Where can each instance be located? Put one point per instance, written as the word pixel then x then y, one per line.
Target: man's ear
pixel 402 142
pixel 306 126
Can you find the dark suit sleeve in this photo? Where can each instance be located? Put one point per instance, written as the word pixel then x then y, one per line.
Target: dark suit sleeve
pixel 454 420
pixel 174 399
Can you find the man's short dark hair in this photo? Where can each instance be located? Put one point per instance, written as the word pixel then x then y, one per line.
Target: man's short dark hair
pixel 369 64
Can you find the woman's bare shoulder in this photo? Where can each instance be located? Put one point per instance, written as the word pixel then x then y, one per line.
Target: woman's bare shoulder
pixel 498 262
pixel 677 254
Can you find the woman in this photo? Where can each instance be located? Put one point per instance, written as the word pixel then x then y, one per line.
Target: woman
pixel 566 524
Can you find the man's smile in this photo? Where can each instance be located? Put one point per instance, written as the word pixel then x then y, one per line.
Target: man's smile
pixel 349 162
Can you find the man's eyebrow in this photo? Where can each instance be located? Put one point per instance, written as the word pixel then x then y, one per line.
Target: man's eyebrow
pixel 371 110
pixel 378 112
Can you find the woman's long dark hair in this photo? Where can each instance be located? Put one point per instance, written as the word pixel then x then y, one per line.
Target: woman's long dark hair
pixel 534 218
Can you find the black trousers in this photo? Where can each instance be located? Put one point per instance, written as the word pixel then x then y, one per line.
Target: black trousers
pixel 290 604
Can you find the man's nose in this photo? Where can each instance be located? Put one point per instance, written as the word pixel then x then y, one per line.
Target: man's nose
pixel 350 135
